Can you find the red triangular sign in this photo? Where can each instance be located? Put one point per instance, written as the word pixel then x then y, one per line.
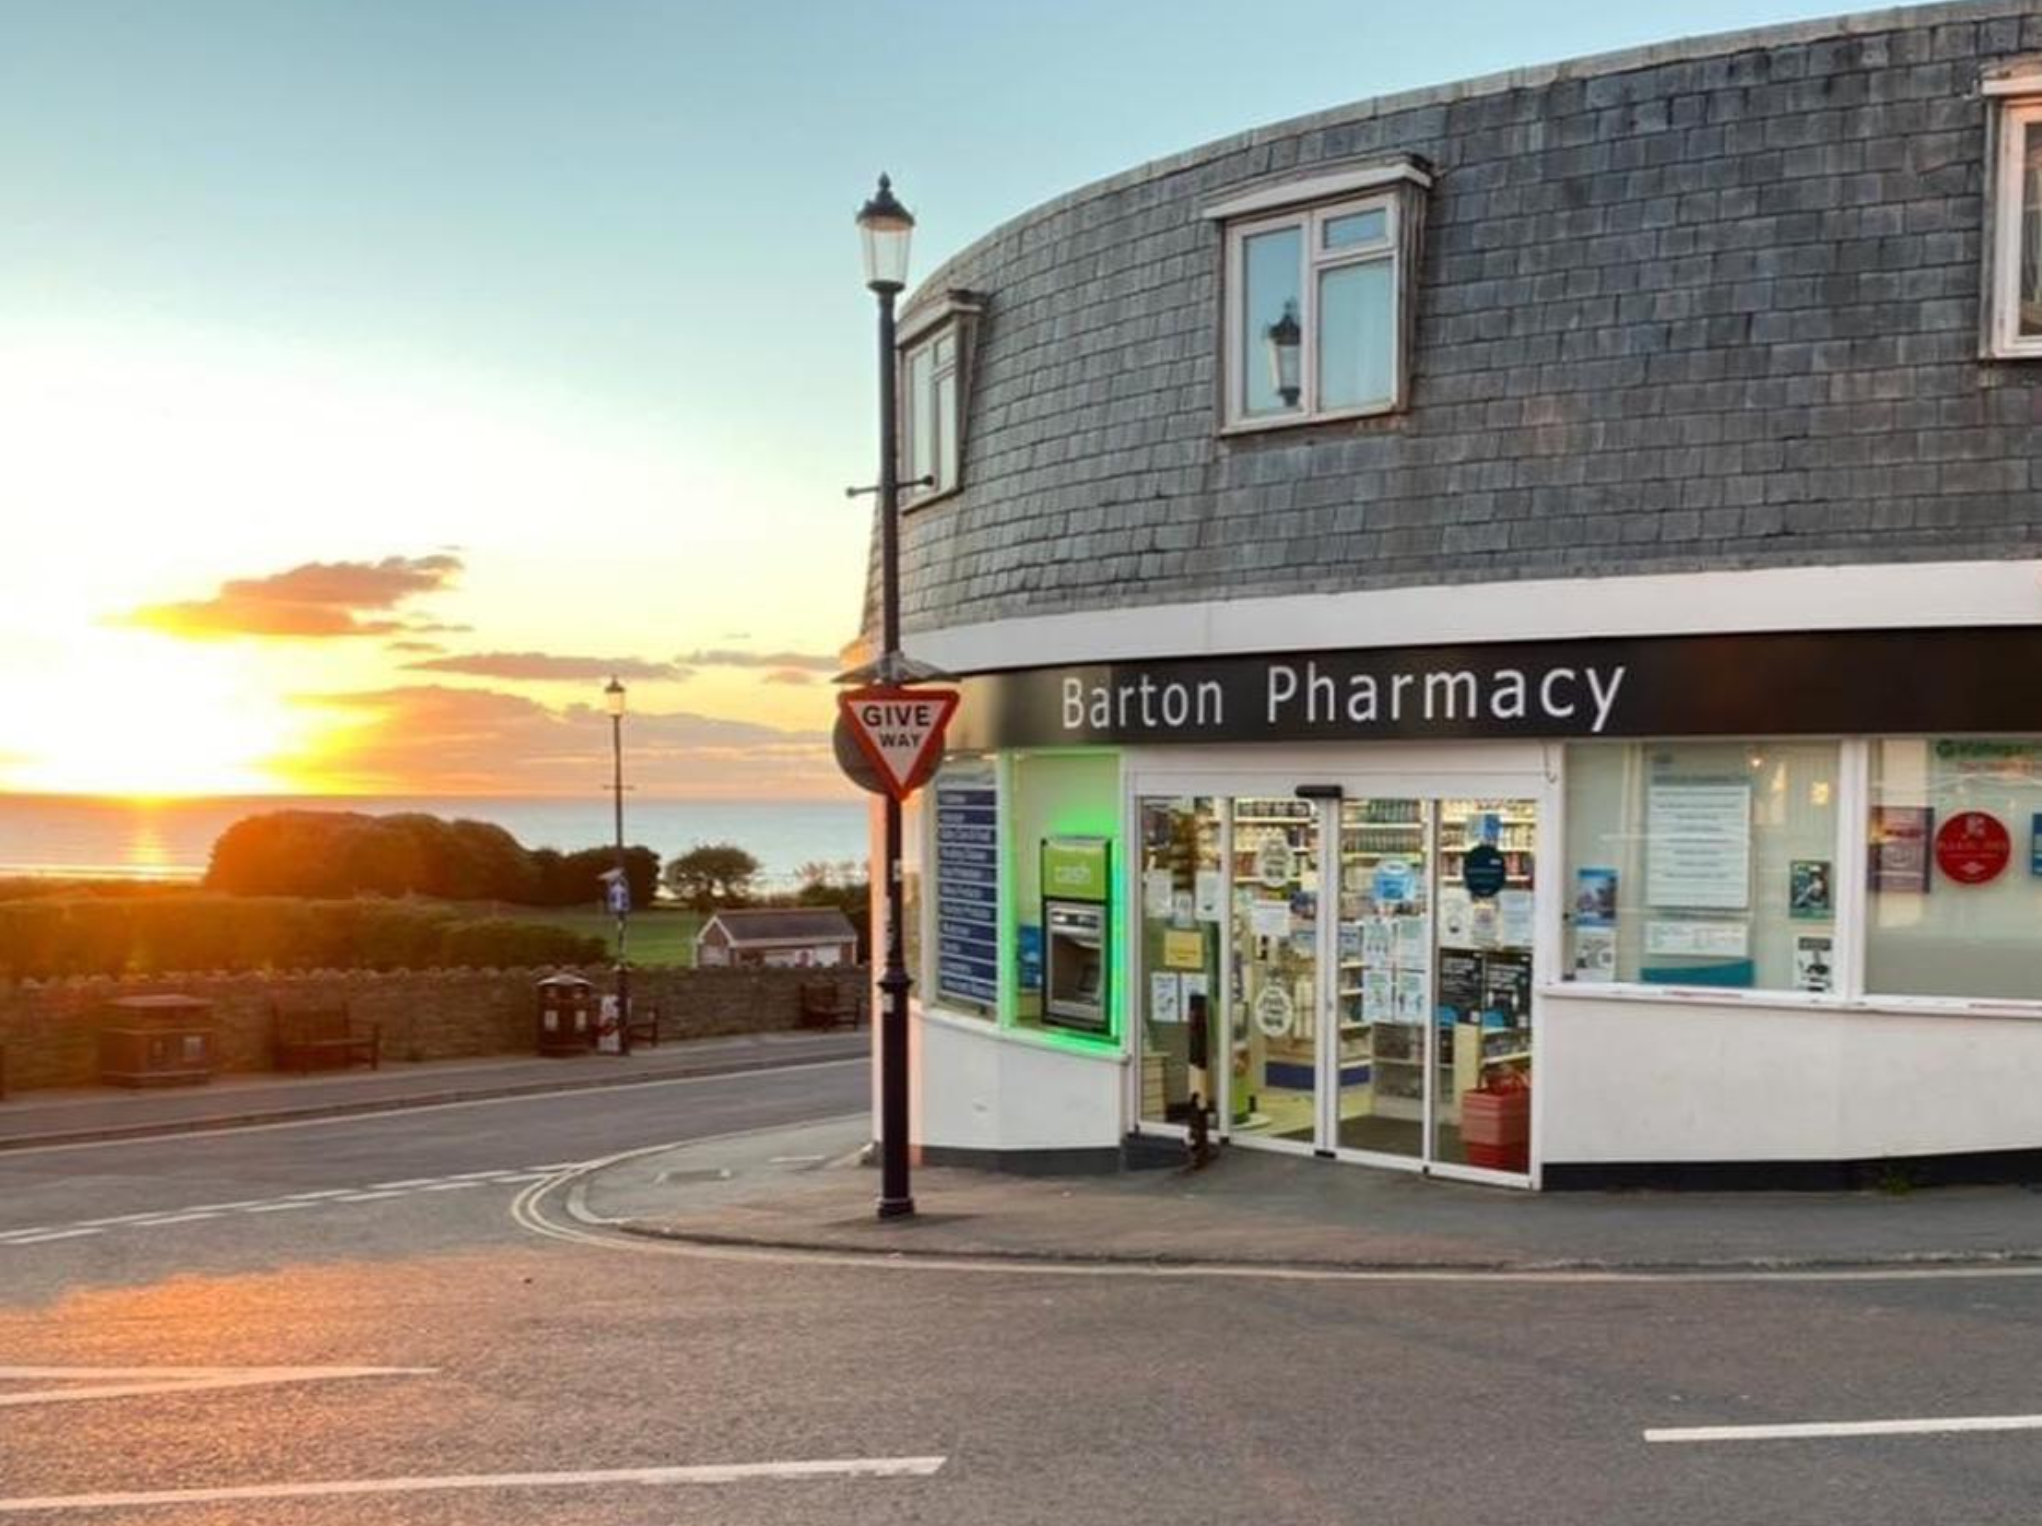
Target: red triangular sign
pixel 900 730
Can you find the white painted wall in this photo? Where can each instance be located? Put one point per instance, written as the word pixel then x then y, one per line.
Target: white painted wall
pixel 977 1089
pixel 1692 1080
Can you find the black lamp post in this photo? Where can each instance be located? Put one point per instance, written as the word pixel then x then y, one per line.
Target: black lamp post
pixel 885 227
pixel 1285 340
pixel 613 701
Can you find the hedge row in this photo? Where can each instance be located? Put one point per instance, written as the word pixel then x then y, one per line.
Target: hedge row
pixel 85 935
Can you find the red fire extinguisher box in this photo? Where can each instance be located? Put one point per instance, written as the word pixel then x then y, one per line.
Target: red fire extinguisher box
pixel 1496 1126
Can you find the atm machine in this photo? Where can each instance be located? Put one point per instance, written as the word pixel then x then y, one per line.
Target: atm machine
pixel 1077 973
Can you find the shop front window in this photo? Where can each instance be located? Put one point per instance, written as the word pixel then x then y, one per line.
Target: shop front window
pixel 1702 864
pixel 1954 869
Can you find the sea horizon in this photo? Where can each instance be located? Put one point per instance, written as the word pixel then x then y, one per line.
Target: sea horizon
pixel 52 835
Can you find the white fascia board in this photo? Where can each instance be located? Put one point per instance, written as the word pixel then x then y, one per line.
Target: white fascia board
pixel 1290 193
pixel 1893 596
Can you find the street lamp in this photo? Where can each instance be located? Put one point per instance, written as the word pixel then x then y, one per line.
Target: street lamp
pixel 1285 339
pixel 620 891
pixel 885 228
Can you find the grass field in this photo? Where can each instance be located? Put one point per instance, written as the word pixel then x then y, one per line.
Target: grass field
pixel 664 935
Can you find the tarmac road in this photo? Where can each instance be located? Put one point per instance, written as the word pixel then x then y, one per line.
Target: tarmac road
pixel 987 1397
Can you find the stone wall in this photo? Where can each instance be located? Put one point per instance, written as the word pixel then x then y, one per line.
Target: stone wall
pixel 50 1028
pixel 1712 304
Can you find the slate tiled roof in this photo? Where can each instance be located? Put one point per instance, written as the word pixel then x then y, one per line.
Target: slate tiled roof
pixel 1709 305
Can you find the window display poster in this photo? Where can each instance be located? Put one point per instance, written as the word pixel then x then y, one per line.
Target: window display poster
pixel 1514 919
pixel 967 889
pixel 1456 916
pixel 1506 991
pixel 1209 895
pixel 1412 951
pixel 1409 992
pixel 1375 942
pixel 1814 967
pixel 1156 893
pixel 1698 940
pixel 1269 919
pixel 1375 996
pixel 1595 954
pixel 1808 892
pixel 1698 846
pixel 1193 988
pixel 1028 955
pixel 1899 857
pixel 1184 949
pixel 1165 997
pixel 1595 898
pixel 2035 844
pixel 1460 986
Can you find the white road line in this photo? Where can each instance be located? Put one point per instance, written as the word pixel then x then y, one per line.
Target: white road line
pixel 406 1185
pixel 373 1197
pixel 285 1207
pixel 128 1382
pixel 1813 1430
pixel 177 1218
pixel 322 1192
pixel 447 1186
pixel 726 1473
pixel 54 1234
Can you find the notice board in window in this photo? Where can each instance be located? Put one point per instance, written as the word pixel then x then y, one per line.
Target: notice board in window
pixel 1698 845
pixel 967 888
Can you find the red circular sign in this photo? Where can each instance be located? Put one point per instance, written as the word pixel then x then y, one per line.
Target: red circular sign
pixel 1972 847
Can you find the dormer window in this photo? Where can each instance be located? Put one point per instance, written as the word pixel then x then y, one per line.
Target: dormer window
pixel 1318 278
pixel 934 355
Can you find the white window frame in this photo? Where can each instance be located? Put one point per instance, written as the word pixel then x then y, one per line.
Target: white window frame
pixel 952 317
pixel 2017 105
pixel 1314 261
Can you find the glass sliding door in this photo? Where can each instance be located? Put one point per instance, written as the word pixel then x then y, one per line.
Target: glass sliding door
pixel 1385 986
pixel 1182 900
pixel 1488 853
pixel 1273 993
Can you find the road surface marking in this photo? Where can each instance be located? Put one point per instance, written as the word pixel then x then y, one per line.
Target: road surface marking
pixel 726 1473
pixel 1816 1429
pixel 128 1382
pixel 179 1218
pixel 283 1207
pixel 372 1197
pixel 51 1234
pixel 447 1186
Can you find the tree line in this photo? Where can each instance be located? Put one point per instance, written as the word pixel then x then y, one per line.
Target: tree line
pixel 336 854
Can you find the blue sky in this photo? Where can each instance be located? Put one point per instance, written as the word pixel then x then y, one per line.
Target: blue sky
pixel 570 288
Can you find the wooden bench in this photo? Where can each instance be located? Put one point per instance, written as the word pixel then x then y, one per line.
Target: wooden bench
pixel 318 1038
pixel 824 1005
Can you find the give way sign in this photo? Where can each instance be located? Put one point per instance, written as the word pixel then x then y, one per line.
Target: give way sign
pixel 900 730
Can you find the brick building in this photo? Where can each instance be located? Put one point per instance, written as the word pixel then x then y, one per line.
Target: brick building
pixel 1524 595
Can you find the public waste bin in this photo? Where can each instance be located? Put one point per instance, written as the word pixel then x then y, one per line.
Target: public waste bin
pixel 567 1015
pixel 157 1041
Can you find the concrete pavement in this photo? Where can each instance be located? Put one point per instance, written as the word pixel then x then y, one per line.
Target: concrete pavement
pixel 801 1189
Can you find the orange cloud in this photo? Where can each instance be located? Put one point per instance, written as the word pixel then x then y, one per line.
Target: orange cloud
pixel 431 739
pixel 314 600
pixel 789 676
pixel 542 667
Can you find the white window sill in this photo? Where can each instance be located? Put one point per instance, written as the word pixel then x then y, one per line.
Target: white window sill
pixel 922 501
pixel 1306 420
pixel 1729 996
pixel 989 1028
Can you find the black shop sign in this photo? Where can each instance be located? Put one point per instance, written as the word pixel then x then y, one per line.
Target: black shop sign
pixel 1802 684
